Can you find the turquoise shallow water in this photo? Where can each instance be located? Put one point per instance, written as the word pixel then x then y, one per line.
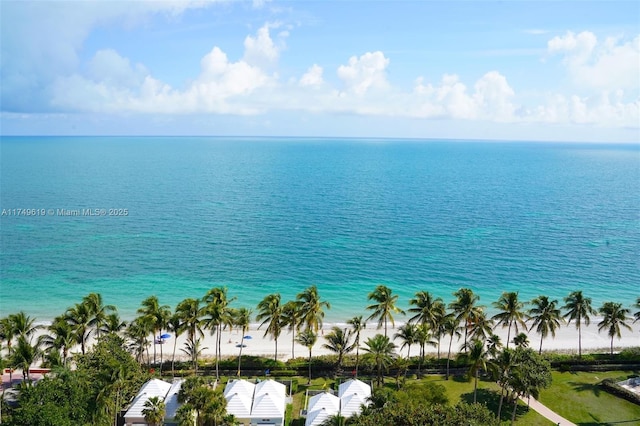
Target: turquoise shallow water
pixel 269 215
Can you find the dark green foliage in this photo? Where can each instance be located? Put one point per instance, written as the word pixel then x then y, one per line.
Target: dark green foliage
pixel 417 414
pixel 613 388
pixel 62 399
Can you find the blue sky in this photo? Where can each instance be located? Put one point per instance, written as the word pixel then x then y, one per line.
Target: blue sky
pixel 511 70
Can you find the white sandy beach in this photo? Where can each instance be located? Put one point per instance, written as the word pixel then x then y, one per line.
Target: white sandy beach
pixel 566 340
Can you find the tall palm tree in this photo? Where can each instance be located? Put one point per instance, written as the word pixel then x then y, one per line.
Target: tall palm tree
pixel 193 349
pixel 428 310
pixel 311 308
pixel 408 334
pixel 218 315
pixel 385 306
pixel 578 309
pixel 80 317
pixel 357 325
pixel 190 314
pixel 511 313
pixel 423 338
pixel 242 319
pixel 23 324
pixel 270 313
pixel 545 316
pixel 636 315
pixel 503 364
pixel 174 325
pixel 137 334
pixel 154 411
pixel 464 307
pixel 477 360
pixel 451 326
pixel 113 324
pixel 61 338
pixel 291 318
pixel 98 309
pixel 494 344
pixel 308 338
pixel 25 354
pixel 382 351
pixel 614 317
pixel 480 327
pixel 156 316
pixel 338 342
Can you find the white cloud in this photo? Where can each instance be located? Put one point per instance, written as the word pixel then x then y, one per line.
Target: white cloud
pixel 313 76
pixel 607 65
pixel 365 72
pixel 261 50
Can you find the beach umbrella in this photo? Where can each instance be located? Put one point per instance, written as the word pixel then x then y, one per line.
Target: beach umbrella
pixel 165 336
pixel 248 337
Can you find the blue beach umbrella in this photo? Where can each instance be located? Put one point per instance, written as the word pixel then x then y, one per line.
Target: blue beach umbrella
pixel 165 336
pixel 248 337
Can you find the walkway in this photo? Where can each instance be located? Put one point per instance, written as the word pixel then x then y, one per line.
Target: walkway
pixel 546 412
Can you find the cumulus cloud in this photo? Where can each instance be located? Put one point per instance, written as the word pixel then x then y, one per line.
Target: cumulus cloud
pixel 261 49
pixel 609 64
pixel 364 72
pixel 313 76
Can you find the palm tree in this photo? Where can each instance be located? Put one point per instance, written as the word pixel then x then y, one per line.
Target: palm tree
pixel 408 334
pixel 156 316
pixel 311 308
pixel 511 313
pixel 338 343
pixel 464 307
pixel 80 317
pixel 23 324
pixel 154 411
pixel 637 313
pixel 138 334
pixel 270 313
pixel 503 364
pixel 451 326
pixel 521 340
pixel 546 317
pixel 385 306
pixel 98 310
pixel 614 316
pixel 113 324
pixel 578 308
pixel 242 319
pixel 193 349
pixel 423 338
pixel 494 344
pixel 477 360
pixel 382 351
pixel 480 327
pixel 218 315
pixel 190 315
pixel 25 355
pixel 357 325
pixel 291 316
pixel 308 338
pixel 428 310
pixel 61 338
pixel 174 324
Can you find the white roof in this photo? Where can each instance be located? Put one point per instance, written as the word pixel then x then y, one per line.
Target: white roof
pixel 352 386
pixel 321 407
pixel 150 389
pixel 241 387
pixel 268 405
pixel 351 404
pixel 239 405
pixel 171 400
pixel 271 387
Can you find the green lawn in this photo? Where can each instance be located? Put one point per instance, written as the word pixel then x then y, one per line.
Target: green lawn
pixel 576 396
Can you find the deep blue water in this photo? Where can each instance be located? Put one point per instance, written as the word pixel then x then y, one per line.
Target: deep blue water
pixel 269 215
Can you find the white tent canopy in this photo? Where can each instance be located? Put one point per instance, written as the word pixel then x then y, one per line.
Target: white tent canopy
pixel 321 407
pixel 152 388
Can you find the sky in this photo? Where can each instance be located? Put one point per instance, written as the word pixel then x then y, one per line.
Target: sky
pixel 505 70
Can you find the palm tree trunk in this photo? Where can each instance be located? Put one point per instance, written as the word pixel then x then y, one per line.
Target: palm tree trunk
pixel 357 353
pixel 275 356
pixel 173 357
pixel 509 333
pixel 540 350
pixel 240 355
pixel 449 356
pixel 579 342
pixel 309 382
pixel 475 387
pixel 501 401
pixel 438 346
pixel 515 407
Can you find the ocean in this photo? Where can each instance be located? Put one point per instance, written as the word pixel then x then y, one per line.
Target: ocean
pixel 131 217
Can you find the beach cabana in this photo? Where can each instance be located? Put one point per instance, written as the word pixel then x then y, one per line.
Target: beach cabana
pixel 171 403
pixel 239 396
pixel 269 403
pixel 321 407
pixel 353 394
pixel 152 388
